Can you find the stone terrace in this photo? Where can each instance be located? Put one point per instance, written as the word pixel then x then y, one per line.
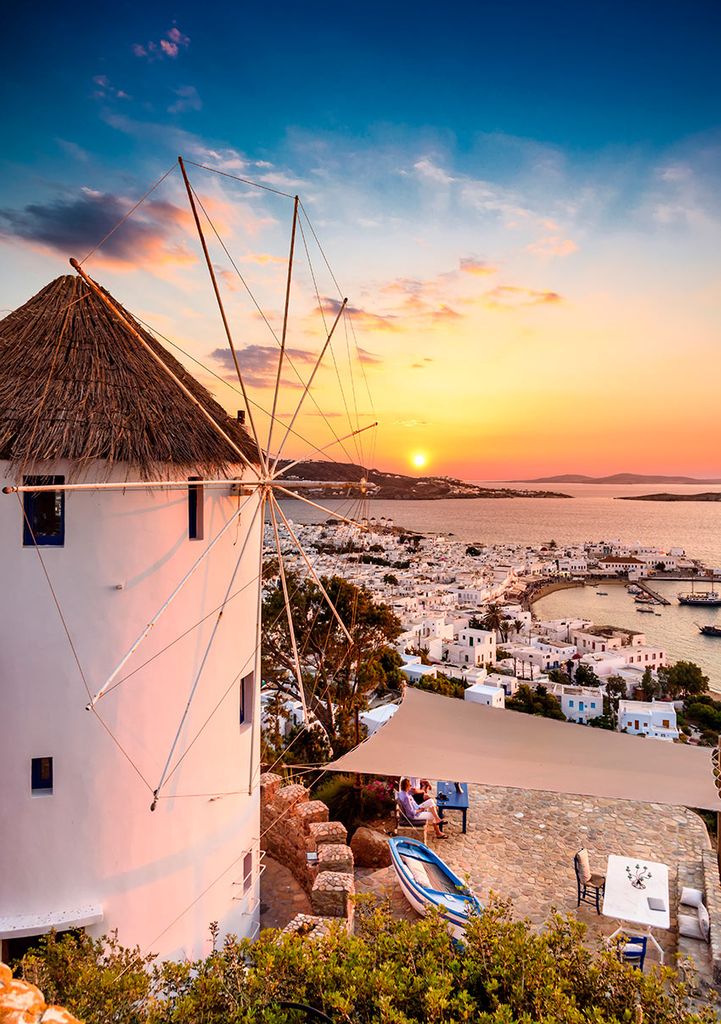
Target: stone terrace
pixel 520 844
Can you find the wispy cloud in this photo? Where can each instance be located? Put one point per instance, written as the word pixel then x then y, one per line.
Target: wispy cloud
pixel 72 149
pixel 105 90
pixel 553 245
pixel 363 317
pixel 510 297
pixel 187 99
pixel 169 45
pixel 259 364
pixel 471 265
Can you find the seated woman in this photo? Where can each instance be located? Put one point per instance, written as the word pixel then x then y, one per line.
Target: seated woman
pixel 427 811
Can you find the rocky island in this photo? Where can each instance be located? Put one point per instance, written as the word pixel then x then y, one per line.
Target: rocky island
pixel 397 486
pixel 665 496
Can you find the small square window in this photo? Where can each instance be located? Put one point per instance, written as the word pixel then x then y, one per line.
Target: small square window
pixel 248 871
pixel 195 509
pixel 246 699
pixel 41 776
pixel 43 513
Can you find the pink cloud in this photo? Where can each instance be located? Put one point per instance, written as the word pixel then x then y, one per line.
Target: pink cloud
pixel 169 45
pixel 553 245
pixel 469 265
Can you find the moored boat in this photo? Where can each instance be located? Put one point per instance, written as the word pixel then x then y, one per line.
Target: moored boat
pixel 710 630
pixel 705 598
pixel 427 882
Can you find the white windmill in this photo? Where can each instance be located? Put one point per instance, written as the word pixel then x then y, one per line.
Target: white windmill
pixel 131 539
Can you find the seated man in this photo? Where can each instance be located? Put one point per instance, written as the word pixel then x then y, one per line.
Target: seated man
pixel 427 811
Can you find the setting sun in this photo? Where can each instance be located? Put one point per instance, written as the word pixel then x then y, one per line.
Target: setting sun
pixel 419 459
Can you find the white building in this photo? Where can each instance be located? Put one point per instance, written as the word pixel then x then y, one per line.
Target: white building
pixel 654 718
pixel 81 846
pixel 414 670
pixel 374 718
pixel 581 703
pixel 480 693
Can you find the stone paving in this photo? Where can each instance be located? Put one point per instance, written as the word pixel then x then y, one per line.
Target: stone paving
pixel 520 844
pixel 281 898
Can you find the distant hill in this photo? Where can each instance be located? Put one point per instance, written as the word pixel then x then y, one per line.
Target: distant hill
pixel 616 478
pixel 703 496
pixel 396 485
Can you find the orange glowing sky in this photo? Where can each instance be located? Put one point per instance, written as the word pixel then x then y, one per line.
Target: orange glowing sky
pixel 518 306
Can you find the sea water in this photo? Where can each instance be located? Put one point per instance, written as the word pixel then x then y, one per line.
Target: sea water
pixel 593 513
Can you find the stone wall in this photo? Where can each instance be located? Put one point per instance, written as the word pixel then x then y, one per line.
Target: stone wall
pixel 292 826
pixel 712 890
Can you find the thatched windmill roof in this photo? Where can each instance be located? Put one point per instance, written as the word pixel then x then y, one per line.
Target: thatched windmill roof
pixel 76 385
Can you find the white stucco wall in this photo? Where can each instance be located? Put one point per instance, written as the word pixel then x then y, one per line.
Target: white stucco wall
pixel 94 840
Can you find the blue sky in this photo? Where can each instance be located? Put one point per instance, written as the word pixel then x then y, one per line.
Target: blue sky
pixel 562 157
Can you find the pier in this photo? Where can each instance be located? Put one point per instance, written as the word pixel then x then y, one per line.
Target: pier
pixel 651 593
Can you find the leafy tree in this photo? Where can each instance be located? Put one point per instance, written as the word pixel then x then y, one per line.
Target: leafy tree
pixel 650 687
pixel 338 676
pixel 615 693
pixel 389 971
pixel 585 676
pixel 684 679
pixel 390 579
pixel 557 675
pixel 473 551
pixel 535 702
pixel 442 684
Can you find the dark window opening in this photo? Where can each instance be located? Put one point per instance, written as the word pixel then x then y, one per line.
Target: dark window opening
pixel 246 698
pixel 44 513
pixel 247 871
pixel 195 510
pixel 41 775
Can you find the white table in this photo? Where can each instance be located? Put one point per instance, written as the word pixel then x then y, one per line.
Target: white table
pixel 625 902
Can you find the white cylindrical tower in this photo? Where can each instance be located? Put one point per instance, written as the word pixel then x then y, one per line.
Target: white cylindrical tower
pixel 84 573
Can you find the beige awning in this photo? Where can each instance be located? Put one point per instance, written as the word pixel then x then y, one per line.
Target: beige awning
pixel 446 738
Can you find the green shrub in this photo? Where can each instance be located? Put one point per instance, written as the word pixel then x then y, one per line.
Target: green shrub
pixel 353 806
pixel 388 972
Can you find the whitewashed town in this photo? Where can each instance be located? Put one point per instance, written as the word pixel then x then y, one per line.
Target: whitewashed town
pixel 466 613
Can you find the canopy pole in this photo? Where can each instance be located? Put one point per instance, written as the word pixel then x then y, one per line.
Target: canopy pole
pixel 106 300
pixel 223 317
pixel 306 389
pixel 285 321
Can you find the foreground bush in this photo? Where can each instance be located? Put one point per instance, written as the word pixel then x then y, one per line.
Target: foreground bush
pixel 389 972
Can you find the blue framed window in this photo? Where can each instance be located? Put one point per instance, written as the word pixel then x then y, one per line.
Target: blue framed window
pixel 570 703
pixel 41 776
pixel 195 509
pixel 44 513
pixel 246 699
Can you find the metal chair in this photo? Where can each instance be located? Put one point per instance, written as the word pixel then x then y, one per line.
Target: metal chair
pixel 634 951
pixel 590 886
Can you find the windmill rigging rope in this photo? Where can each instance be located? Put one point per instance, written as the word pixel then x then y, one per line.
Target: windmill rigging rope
pixel 76 657
pixel 130 212
pixel 288 358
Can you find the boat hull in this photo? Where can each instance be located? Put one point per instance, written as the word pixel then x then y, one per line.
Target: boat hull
pixel 455 907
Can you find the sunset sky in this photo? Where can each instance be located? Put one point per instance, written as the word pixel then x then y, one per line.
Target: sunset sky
pixel 521 201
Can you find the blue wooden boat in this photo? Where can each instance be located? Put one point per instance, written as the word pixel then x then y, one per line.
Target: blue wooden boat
pixel 427 881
